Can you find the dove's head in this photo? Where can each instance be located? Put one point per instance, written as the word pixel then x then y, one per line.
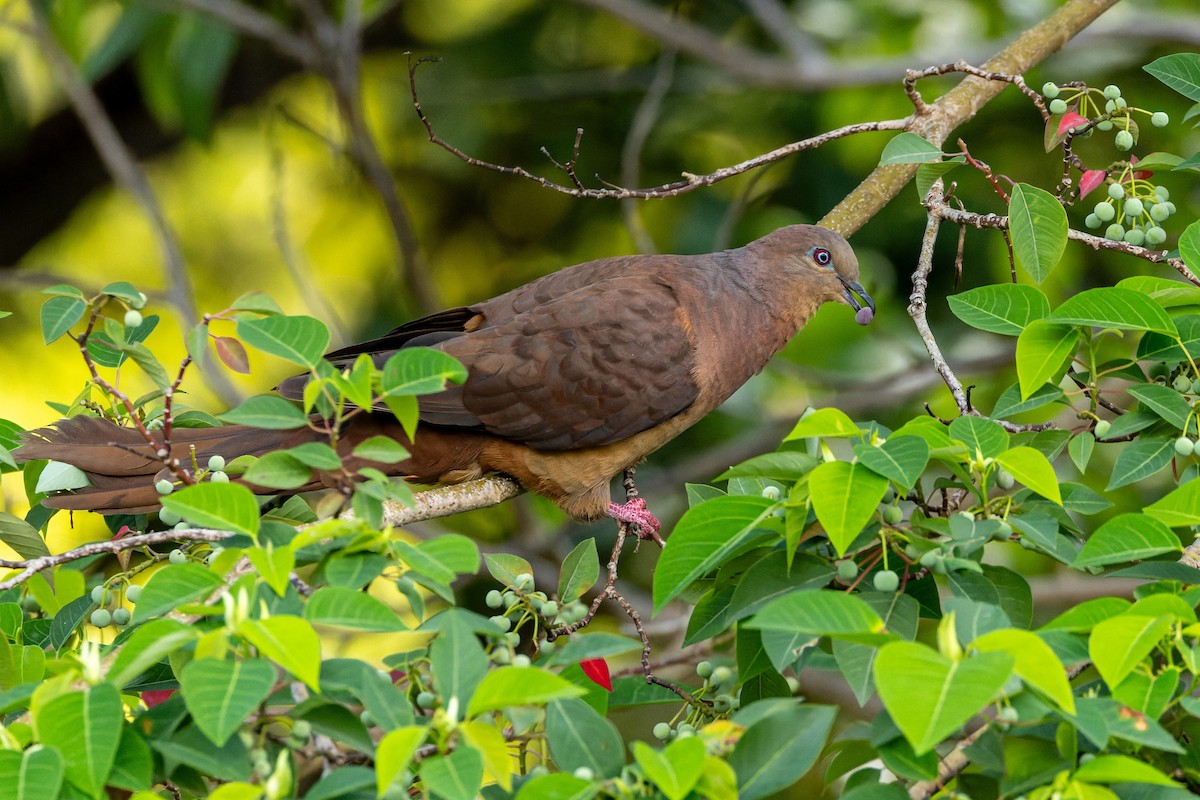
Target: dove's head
pixel 826 265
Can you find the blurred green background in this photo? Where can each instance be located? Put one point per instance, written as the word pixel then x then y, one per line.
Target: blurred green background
pixel 247 151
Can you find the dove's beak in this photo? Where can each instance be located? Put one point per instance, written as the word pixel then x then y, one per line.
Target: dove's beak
pixel 859 300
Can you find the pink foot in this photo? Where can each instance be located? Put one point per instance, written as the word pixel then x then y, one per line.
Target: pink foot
pixel 635 512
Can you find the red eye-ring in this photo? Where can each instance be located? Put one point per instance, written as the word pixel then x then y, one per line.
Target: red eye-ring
pixel 822 257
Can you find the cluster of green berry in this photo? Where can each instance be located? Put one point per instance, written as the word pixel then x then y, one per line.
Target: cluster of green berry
pixel 103 595
pixel 719 682
pixel 1116 113
pixel 521 602
pixel 215 473
pixel 1133 211
pixel 133 316
pixel 884 580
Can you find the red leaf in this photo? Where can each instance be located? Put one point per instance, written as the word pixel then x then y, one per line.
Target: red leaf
pixel 597 670
pixel 232 354
pixel 153 698
pixel 1090 180
pixel 1141 174
pixel 124 530
pixel 1070 120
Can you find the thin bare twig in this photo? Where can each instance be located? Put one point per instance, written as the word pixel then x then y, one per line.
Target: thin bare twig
pixel 643 122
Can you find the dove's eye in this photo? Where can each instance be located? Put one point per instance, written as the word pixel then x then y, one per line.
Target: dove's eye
pixel 822 256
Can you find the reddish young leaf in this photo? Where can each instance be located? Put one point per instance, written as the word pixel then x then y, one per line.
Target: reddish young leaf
pixel 124 530
pixel 153 698
pixel 1090 180
pixel 1141 174
pixel 597 670
pixel 232 354
pixel 1070 120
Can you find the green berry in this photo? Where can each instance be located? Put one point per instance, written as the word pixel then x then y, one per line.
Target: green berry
pixel 98 594
pixel 494 599
pixel 1101 429
pixel 1005 532
pixel 216 463
pixel 177 556
pixel 513 638
pixel 524 581
pixel 522 660
pixel 928 560
pixel 662 731
pixel 1162 194
pixel 771 492
pixel 1050 90
pixel 1117 192
pixel 426 700
pixel 1058 106
pixel 133 592
pixel 1112 91
pixel 1159 119
pixel 101 618
pixel 1155 235
pixel 1114 232
pixel 585 774
pixel 1159 212
pixel 1182 383
pixel 722 675
pixel 847 570
pixel 1134 236
pixel 140 302
pixel 1092 221
pixel 302 728
pixel 1184 446
pixel 164 486
pixel 168 517
pixel 1133 207
pixel 1104 125
pixel 892 515
pixel 218 477
pixel 133 318
pixel 1105 211
pixel 502 622
pixel 1005 480
pixel 704 669
pixel 1123 140
pixel 684 730
pixel 1170 207
pixel 501 656
pixel 182 526
pixel 121 616
pixel 550 609
pixel 886 581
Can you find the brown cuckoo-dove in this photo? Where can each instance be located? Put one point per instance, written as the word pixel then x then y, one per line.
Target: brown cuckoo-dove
pixel 571 378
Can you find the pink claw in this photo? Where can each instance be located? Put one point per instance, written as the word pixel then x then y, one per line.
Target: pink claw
pixel 635 512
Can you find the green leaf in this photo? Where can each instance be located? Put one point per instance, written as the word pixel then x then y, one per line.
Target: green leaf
pixel 1010 403
pixel 1005 308
pixel 1140 459
pixel 786 466
pixel 1080 447
pixel 395 753
pixel 33 774
pixel 1178 508
pixel 148 644
pixel 1033 470
pixel 816 612
pixel 173 586
pixel 1111 307
pixel 258 302
pixel 59 314
pixel 346 608
pixel 1116 768
pixel 222 693
pixel 317 455
pixel 777 750
pixel 900 613
pixel 505 687
pixel 266 411
pixel 1118 645
pixel 580 571
pixel 579 737
pixel 288 641
pixel 1179 71
pixel 676 770
pixel 1127 537
pixel 457 660
pixel 1038 224
pixel 844 497
pixel 901 459
pixel 929 695
pixel 222 506
pixel 1086 615
pixel 381 449
pixel 1034 663
pixel 1043 351
pixel 84 726
pixel 455 776
pixel 931 171
pixel 827 422
pixel 557 786
pixel 979 435
pixel 909 148
pixel 277 470
pixel 1189 245
pixel 420 370
pixel 58 476
pixel 22 537
pixel 704 537
pixel 301 340
pixel 274 565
